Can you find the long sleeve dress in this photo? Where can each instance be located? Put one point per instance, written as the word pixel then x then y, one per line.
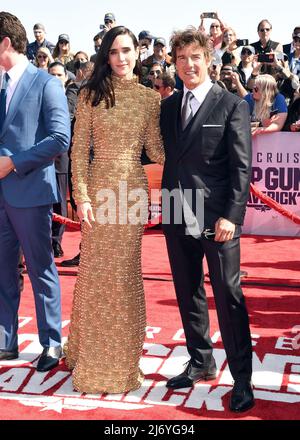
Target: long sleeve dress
pixel 108 316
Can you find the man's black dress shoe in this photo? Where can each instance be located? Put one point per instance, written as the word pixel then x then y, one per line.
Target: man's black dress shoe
pixel 72 262
pixel 49 358
pixel 193 374
pixel 8 355
pixel 57 249
pixel 242 397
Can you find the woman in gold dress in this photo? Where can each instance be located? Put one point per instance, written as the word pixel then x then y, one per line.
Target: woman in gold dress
pixel 118 116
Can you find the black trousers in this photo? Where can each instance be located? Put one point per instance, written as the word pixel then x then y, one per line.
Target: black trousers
pixel 21 268
pixel 60 208
pixel 186 256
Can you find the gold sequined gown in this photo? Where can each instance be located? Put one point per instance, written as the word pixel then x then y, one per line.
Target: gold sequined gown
pixel 108 316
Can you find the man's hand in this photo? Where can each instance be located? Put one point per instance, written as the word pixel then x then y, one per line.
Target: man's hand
pixel 6 166
pixel 224 230
pixel 295 126
pixel 85 213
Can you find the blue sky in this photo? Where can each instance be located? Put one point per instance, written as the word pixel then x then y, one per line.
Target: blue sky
pixel 81 19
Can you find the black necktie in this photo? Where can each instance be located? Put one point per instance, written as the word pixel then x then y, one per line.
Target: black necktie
pixel 187 111
pixel 3 100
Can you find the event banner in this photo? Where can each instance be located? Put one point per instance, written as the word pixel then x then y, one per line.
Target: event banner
pixel 275 172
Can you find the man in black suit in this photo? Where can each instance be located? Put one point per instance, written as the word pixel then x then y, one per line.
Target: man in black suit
pixel 289 48
pixel 207 138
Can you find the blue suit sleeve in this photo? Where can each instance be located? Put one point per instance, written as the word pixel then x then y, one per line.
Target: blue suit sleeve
pixel 54 115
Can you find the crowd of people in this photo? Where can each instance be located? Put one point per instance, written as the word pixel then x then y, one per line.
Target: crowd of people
pixel 236 65
pixel 193 110
pixel 265 73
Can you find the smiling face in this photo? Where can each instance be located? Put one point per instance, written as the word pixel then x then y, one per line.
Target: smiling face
pixel 192 65
pixel 122 56
pixel 42 60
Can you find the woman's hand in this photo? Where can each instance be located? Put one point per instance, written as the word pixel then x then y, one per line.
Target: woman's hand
pixel 85 213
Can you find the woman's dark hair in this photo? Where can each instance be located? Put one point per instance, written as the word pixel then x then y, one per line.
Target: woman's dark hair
pixel 100 86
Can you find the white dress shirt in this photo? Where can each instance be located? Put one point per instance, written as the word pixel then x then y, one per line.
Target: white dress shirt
pixel 15 74
pixel 199 93
pixel 194 225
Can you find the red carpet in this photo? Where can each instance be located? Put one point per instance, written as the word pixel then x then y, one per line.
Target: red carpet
pixel 272 289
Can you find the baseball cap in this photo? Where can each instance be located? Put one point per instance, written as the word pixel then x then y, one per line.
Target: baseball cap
pixel 160 40
pixel 64 37
pixel 145 34
pixel 109 16
pixel 39 26
pixel 251 48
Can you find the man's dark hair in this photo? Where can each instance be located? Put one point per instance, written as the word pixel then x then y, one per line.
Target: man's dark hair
pixel 11 27
pixel 168 80
pixel 57 63
pixel 180 39
pixel 100 35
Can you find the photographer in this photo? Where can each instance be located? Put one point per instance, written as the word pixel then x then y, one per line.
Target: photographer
pixel 216 29
pixel 145 44
pixel 230 77
pixel 245 67
pixel 109 20
pixel 265 45
pixel 278 67
pixel 230 51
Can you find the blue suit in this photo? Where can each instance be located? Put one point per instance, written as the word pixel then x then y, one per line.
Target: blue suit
pixel 35 131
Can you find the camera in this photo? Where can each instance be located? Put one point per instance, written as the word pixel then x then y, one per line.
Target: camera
pixel 102 26
pixel 265 57
pixel 209 15
pixel 281 56
pixel 244 42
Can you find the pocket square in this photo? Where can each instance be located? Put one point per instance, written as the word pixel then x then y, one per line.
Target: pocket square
pixel 211 125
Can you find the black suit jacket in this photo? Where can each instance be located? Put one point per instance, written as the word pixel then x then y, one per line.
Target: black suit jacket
pixel 213 154
pixel 287 48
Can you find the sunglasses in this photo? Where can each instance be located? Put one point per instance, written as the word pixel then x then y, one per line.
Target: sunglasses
pixel 246 52
pixel 265 30
pixel 296 39
pixel 42 56
pixel 153 72
pixel 215 26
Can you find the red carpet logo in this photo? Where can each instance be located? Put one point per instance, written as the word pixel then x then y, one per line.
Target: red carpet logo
pixel 276 378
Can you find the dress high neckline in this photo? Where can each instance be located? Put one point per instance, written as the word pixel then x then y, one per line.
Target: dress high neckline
pixel 123 82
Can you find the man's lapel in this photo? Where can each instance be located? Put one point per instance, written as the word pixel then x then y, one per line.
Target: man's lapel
pixel 20 93
pixel 175 116
pixel 207 107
